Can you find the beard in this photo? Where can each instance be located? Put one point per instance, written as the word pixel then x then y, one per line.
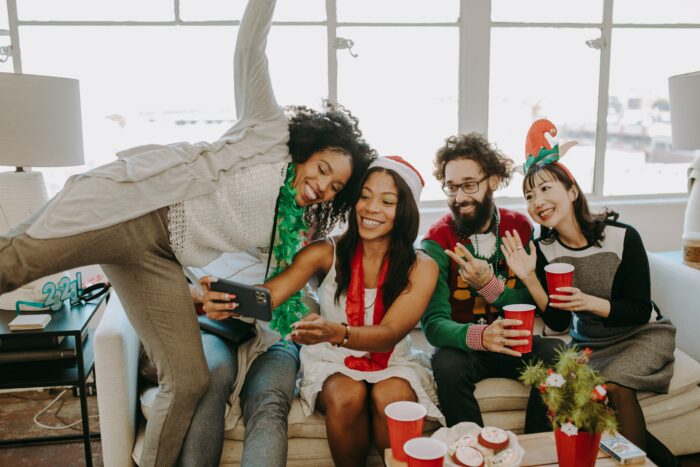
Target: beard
pixel 469 224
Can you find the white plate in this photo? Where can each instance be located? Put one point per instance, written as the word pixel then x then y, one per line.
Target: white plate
pixel 450 435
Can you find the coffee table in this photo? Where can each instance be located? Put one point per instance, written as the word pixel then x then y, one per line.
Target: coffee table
pixel 540 450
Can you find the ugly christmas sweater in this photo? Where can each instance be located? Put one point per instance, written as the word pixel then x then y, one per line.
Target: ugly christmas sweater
pixel 457 314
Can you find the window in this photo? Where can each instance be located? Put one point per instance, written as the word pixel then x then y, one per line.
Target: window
pixel 413 71
pixel 403 88
pixel 639 158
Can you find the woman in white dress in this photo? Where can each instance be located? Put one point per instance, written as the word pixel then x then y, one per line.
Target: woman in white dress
pixel 375 286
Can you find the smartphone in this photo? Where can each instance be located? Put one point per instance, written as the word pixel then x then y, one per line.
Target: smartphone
pixel 253 302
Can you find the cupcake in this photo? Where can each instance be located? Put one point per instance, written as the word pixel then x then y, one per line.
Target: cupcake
pixel 505 458
pixel 493 438
pixel 468 457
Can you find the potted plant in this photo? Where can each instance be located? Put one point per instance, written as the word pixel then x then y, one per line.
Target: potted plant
pixel 577 405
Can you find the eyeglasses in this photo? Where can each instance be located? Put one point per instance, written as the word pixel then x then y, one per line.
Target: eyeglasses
pixel 472 186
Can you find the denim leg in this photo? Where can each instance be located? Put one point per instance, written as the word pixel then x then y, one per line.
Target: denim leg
pixel 266 398
pixel 205 437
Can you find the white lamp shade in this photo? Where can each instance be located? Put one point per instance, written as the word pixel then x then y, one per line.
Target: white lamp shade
pixel 40 121
pixel 684 94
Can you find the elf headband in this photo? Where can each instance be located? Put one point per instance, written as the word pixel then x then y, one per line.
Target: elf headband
pixel 538 150
pixel 403 169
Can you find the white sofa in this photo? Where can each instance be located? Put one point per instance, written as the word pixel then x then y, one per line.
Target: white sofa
pixel 674 418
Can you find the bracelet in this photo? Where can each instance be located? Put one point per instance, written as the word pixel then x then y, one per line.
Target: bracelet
pixel 345 337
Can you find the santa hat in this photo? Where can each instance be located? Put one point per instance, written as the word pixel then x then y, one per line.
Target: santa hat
pixel 403 169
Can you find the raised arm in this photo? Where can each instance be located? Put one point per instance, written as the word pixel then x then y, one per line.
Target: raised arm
pixel 255 99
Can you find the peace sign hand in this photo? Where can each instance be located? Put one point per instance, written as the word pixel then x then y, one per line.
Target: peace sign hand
pixel 475 272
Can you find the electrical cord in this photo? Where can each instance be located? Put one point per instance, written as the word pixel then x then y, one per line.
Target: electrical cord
pixel 56 427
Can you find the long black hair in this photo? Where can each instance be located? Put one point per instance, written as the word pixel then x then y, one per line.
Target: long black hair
pixel 402 255
pixel 334 128
pixel 592 225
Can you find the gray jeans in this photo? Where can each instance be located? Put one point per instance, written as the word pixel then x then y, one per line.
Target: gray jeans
pixel 137 257
pixel 265 399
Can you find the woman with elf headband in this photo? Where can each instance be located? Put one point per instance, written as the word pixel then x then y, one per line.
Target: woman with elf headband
pixel 159 208
pixel 609 306
pixel 373 289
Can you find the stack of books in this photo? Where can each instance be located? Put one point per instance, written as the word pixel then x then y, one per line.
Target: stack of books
pixel 28 322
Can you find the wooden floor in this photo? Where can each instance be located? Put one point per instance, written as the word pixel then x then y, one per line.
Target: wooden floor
pixel 17 410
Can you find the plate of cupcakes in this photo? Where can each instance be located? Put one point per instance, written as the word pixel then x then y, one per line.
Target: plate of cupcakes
pixel 469 445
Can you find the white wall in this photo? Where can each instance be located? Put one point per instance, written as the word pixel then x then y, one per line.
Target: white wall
pixel 659 220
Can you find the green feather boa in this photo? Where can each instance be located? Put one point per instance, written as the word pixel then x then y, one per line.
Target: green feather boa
pixel 290 226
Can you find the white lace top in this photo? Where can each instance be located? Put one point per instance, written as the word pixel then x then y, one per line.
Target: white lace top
pixel 236 217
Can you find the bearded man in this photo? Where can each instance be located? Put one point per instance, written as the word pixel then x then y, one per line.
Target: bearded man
pixel 463 319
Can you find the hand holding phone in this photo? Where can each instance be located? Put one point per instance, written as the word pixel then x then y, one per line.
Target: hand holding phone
pixel 251 301
pixel 217 305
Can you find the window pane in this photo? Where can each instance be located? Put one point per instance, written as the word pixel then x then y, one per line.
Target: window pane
pixel 86 10
pixel 560 85
pixel 163 84
pixel 639 157
pixel 286 10
pixel 8 66
pixel 4 22
pixel 545 11
pixel 654 11
pixel 397 11
pixel 406 105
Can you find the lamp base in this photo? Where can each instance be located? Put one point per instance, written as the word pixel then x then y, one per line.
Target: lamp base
pixel 691 253
pixel 21 195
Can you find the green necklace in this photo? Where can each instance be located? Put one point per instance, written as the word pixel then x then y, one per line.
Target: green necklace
pixel 494 265
pixel 290 226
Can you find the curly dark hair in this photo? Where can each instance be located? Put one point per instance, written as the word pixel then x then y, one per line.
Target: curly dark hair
pixel 334 128
pixel 592 225
pixel 476 147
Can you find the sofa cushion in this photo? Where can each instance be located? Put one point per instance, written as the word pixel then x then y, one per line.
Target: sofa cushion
pixel 313 426
pixel 686 375
pixel 498 394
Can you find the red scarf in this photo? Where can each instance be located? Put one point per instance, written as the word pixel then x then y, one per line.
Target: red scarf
pixel 355 311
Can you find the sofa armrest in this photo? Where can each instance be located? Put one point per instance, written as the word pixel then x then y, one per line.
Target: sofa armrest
pixel 116 371
pixel 674 288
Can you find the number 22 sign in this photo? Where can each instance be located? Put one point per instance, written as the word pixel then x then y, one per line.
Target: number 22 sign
pixel 65 290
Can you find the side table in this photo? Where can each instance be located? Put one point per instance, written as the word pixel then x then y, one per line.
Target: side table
pixel 72 323
pixel 540 451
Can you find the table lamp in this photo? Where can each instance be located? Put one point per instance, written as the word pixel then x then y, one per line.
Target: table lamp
pixel 40 126
pixel 684 97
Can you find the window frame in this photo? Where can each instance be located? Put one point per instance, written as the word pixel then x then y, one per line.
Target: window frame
pixel 474 24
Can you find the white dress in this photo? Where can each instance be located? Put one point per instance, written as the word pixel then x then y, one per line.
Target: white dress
pixel 319 361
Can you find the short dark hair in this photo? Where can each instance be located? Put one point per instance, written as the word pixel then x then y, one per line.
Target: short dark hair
pixel 334 128
pixel 592 225
pixel 476 147
pixel 402 255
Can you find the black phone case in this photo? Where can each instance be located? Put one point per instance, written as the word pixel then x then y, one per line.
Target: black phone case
pixel 253 302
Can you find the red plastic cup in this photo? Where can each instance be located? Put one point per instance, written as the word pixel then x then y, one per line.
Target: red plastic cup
pixel 425 452
pixel 559 275
pixel 405 420
pixel 526 314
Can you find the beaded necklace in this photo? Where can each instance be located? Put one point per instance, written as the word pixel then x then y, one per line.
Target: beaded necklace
pixel 290 226
pixel 495 221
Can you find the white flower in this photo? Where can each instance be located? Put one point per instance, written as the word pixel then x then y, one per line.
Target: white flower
pixel 555 380
pixel 569 429
pixel 600 392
